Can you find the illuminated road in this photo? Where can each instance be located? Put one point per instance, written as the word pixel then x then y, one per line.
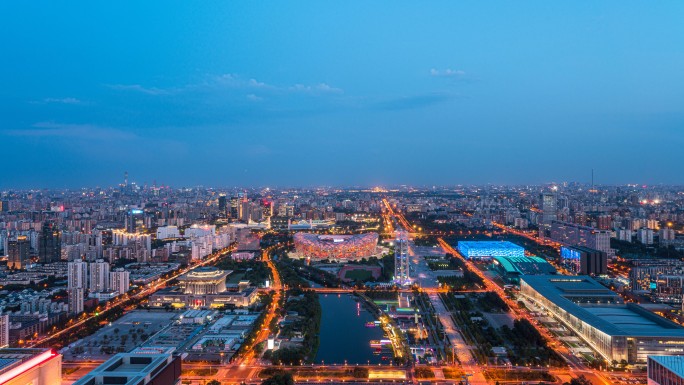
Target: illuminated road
pixel 490 285
pixel 460 347
pixel 341 290
pixel 553 343
pixel 125 300
pixel 271 312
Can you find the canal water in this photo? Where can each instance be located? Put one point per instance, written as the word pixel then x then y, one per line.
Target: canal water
pixel 344 335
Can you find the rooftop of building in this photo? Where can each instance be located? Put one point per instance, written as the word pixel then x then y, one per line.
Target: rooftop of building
pixel 177 290
pixel 600 307
pixel 675 364
pixel 488 245
pixel 583 249
pixel 204 273
pixel 15 361
pixel 583 227
pixel 126 369
pixel 525 265
pixel 334 238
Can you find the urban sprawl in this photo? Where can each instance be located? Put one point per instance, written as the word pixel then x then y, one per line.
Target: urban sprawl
pixel 556 283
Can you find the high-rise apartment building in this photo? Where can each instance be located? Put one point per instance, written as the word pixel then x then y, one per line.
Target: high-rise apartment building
pixel 77 279
pixel 624 234
pixel 645 236
pixel 119 281
pixel 99 276
pixel 77 274
pixel 76 295
pixel 666 234
pixel 4 330
pixel 18 252
pixel 604 222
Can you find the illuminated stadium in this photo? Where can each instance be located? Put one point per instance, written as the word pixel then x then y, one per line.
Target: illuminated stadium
pixel 489 249
pixel 335 247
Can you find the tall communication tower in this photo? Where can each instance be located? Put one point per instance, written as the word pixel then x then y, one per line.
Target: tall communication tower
pixel 401 259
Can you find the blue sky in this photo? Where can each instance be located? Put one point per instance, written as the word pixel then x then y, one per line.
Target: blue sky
pixel 339 93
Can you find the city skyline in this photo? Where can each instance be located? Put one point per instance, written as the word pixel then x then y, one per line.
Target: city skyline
pixel 341 193
pixel 324 94
pixel 550 186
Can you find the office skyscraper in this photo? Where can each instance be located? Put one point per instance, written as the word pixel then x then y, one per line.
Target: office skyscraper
pixel 548 215
pixel 234 207
pixel 49 243
pixel 223 204
pixel 18 251
pixel 135 219
pixel 548 207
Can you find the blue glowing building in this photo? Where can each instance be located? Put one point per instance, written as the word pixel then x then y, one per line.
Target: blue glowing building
pixel 583 260
pixel 489 249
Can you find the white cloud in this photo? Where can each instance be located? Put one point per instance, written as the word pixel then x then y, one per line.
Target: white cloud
pixel 62 100
pixel 447 73
pixel 72 131
pixel 254 98
pixel 317 88
pixel 231 81
pixel 141 89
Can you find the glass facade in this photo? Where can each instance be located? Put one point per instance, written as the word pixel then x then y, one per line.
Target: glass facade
pixel 476 249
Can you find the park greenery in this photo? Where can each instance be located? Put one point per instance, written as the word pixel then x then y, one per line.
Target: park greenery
pixel 305 311
pixel 524 343
pixel 468 281
pixel 253 270
pixel 424 372
pixel 283 378
pixel 313 274
pixel 307 323
pixel 517 375
pixel 529 347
